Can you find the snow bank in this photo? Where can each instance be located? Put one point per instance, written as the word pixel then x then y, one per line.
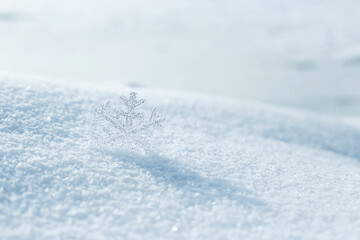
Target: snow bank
pixel 224 170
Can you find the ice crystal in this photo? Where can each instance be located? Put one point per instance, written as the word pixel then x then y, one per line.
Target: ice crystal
pixel 127 126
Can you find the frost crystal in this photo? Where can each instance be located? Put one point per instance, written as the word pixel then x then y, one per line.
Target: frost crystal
pixel 127 126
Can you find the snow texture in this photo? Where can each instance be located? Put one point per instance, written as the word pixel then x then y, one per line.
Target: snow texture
pixel 225 170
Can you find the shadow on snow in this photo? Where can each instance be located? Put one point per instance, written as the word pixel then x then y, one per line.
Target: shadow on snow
pixel 203 189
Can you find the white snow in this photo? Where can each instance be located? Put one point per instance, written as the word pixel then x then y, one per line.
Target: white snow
pixel 224 169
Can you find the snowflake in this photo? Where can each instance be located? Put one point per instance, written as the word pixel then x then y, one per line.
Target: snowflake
pixel 127 126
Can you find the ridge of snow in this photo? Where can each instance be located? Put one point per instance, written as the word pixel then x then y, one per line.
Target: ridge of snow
pixel 224 170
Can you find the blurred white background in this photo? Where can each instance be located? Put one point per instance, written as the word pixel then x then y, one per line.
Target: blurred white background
pixel 299 53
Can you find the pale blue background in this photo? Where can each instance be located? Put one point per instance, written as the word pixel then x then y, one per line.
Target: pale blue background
pixel 299 53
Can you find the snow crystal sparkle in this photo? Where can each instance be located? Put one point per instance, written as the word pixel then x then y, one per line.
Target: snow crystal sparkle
pixel 127 126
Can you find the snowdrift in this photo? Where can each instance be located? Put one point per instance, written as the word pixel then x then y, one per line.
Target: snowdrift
pixel 222 169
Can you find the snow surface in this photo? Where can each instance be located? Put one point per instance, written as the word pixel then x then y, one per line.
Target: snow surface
pixel 224 169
